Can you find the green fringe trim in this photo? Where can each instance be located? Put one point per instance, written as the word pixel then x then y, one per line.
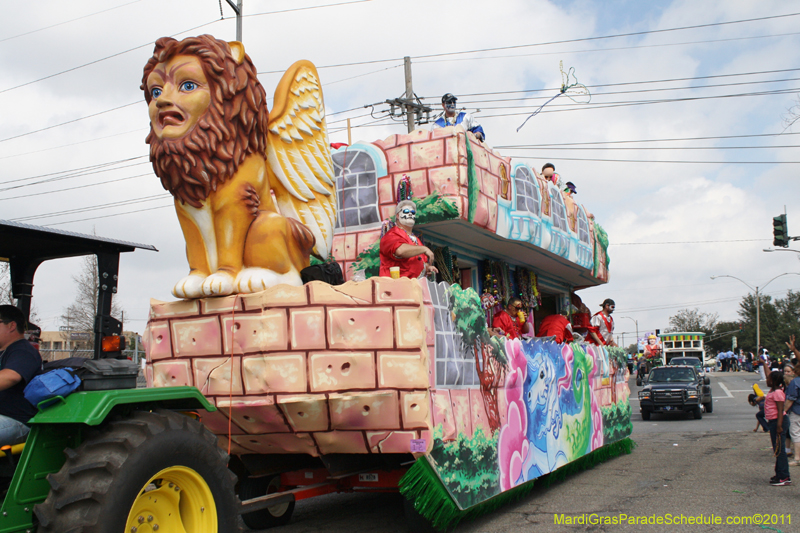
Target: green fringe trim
pixel 422 486
pixel 472 183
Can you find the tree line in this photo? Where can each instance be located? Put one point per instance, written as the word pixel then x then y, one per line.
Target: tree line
pixel 780 318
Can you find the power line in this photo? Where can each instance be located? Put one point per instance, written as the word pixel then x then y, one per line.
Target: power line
pixel 108 216
pixel 631 103
pixel 70 121
pixel 68 21
pixel 299 9
pixel 98 60
pixel 632 34
pixel 612 49
pixel 657 161
pixel 73 144
pixel 653 140
pixel 52 191
pixel 645 82
pixel 682 242
pixel 638 91
pixel 69 174
pixel 93 208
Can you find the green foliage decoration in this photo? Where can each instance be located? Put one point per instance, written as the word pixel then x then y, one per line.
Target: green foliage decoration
pixel 616 421
pixel 473 188
pixel 468 466
pixel 601 241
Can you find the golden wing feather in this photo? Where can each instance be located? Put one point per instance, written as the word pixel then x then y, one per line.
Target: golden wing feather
pixel 299 154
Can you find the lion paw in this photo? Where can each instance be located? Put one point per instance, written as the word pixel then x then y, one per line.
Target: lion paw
pixel 254 279
pixel 189 287
pixel 218 284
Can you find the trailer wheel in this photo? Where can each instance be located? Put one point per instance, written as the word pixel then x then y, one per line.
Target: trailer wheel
pixel 161 470
pixel 276 515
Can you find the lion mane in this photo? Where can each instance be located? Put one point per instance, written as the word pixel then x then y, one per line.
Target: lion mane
pixel 233 127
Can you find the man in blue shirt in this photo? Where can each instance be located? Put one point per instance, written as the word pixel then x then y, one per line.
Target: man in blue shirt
pixel 19 363
pixel 452 117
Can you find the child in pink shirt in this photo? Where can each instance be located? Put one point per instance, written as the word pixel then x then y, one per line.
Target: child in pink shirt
pixel 773 411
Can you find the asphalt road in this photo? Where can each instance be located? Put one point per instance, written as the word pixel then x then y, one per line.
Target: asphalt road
pixel 714 467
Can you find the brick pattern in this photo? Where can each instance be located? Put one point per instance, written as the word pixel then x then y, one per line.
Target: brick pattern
pixel 434 162
pixel 315 369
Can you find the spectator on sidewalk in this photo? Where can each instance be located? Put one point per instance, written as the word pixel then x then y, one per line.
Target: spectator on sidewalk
pixel 773 410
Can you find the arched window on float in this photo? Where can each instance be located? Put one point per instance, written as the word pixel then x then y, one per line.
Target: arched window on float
pixel 585 252
pixel 559 241
pixel 527 206
pixel 356 189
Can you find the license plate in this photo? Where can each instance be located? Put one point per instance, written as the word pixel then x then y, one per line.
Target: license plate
pixel 368 477
pixel 668 408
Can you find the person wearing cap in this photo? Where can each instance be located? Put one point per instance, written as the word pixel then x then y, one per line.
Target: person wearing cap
pixel 401 248
pixel 20 362
pixel 452 117
pixel 604 323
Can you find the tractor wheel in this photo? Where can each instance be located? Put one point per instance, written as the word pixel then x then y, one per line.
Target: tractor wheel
pixel 709 406
pixel 645 414
pixel 698 413
pixel 277 515
pixel 151 471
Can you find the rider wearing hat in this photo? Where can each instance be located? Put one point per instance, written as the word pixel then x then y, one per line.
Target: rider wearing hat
pixel 452 117
pixel 604 323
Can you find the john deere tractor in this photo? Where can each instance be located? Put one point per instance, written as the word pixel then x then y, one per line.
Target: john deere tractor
pixel 109 461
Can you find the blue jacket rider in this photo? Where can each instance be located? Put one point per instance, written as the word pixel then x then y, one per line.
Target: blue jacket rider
pixel 452 118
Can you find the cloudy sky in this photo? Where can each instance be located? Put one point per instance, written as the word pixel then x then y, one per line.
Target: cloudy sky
pixel 683 154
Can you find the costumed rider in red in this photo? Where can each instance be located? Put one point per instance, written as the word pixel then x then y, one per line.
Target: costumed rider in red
pixel 511 320
pixel 401 248
pixel 582 322
pixel 557 326
pixel 604 323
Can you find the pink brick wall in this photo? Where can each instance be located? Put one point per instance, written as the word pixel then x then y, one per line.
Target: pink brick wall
pixel 435 162
pixel 316 369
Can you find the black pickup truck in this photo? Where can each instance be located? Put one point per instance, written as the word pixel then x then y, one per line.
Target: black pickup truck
pixel 675 388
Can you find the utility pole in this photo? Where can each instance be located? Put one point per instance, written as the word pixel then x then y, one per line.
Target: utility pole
pixel 409 106
pixel 410 115
pixel 237 8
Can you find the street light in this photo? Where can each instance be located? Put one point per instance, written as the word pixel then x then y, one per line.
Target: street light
pixel 637 330
pixel 758 302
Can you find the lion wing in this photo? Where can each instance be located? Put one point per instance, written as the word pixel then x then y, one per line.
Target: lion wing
pixel 299 154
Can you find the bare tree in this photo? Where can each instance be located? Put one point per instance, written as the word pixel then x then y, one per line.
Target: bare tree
pixel 80 316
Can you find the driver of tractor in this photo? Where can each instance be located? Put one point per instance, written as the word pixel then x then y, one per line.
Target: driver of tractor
pixel 19 363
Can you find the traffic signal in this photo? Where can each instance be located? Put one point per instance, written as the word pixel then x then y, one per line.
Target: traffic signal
pixel 780 233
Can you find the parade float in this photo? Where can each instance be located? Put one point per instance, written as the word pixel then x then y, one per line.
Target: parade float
pixel 376 383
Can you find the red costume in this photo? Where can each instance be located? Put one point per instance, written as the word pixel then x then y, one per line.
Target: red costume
pixel 410 267
pixel 509 325
pixel 583 325
pixel 556 326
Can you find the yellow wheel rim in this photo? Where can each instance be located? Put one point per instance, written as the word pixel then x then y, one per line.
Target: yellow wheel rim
pixel 176 500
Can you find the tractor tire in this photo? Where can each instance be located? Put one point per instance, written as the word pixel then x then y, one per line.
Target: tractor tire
pixel 161 470
pixel 645 414
pixel 698 413
pixel 277 515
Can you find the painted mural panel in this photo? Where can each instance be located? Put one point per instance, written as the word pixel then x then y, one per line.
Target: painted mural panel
pixel 555 413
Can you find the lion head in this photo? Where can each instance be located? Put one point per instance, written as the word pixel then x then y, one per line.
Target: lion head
pixel 208 112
